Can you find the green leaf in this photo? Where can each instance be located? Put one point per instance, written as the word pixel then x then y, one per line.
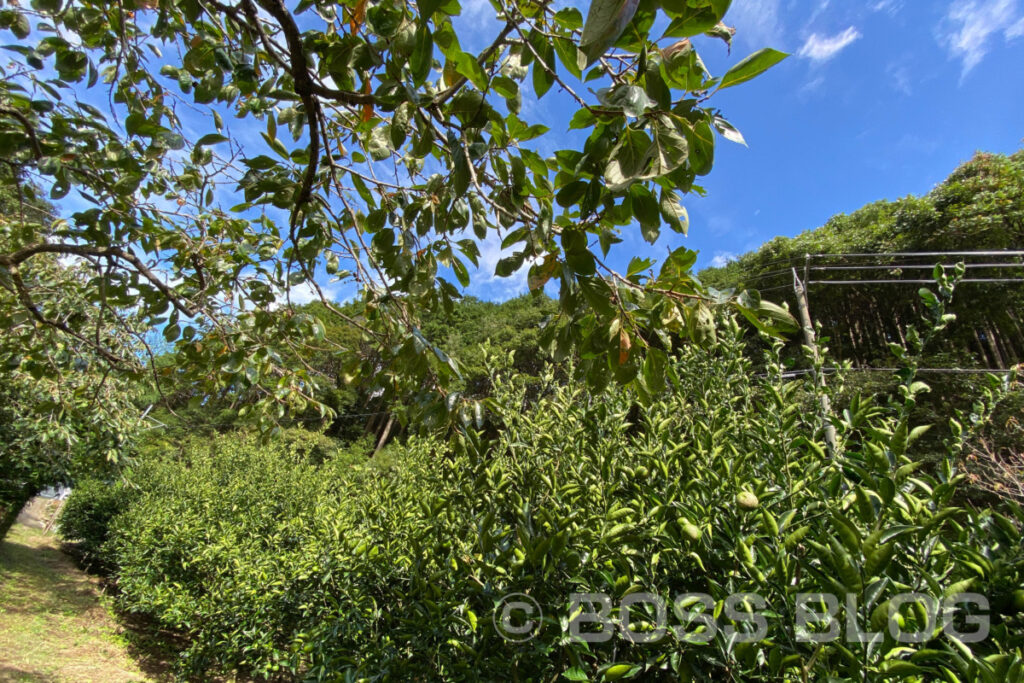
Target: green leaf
pixel 378 143
pixel 583 118
pixel 691 21
pixel 21 27
pixel 48 6
pixel 631 99
pixel 422 58
pixel 606 20
pixel 71 64
pixel 654 370
pixel 543 69
pixel 569 18
pixel 701 142
pixel 670 149
pixel 780 318
pixel 568 54
pixel 638 265
pixel 276 145
pixel 211 139
pixel 428 7
pixel 173 141
pixel 677 266
pixel 400 124
pixel 505 86
pixel 645 208
pixel 628 158
pixel 471 69
pixel 577 254
pixel 674 212
pixel 460 272
pixel 571 194
pixel 751 67
pixel 728 131
pixel 509 265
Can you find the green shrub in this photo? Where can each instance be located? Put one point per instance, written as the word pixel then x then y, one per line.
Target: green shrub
pixel 86 516
pixel 344 569
pixel 316 447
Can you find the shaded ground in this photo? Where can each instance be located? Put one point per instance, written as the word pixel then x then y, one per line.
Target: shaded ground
pixel 55 623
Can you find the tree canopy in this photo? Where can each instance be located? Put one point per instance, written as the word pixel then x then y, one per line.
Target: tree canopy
pixel 392 143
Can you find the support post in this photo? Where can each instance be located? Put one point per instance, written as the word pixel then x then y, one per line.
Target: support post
pixel 812 344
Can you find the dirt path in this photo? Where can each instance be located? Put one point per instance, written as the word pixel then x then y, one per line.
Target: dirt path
pixel 54 621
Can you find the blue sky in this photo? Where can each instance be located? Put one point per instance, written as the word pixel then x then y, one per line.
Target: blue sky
pixel 880 99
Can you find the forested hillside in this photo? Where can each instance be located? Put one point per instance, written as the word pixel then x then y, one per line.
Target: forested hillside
pixel 979 207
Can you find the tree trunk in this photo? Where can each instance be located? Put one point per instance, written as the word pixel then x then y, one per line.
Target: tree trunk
pixel 994 345
pixel 384 435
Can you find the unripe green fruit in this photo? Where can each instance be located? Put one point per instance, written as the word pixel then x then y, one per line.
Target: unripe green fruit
pixel 747 500
pixel 690 530
pixel 1018 599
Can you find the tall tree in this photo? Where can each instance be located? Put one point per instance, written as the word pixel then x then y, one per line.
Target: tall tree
pixel 61 409
pixel 388 152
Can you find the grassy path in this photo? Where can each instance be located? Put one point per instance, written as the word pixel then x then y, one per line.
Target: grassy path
pixel 54 620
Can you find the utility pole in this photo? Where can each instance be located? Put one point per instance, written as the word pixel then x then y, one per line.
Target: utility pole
pixel 809 340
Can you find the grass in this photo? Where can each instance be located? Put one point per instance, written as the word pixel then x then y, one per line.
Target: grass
pixel 56 624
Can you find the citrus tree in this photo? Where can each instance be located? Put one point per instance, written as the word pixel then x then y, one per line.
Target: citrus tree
pixel 213 159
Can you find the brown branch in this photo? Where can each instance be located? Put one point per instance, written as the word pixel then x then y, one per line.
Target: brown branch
pixel 26 300
pixel 12 260
pixel 29 129
pixel 343 96
pixel 304 88
pixel 481 60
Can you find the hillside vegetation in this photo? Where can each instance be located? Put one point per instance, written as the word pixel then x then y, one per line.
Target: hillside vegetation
pixel 979 207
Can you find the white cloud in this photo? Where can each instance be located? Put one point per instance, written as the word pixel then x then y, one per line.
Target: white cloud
pixel 485 284
pixel 812 85
pixel 305 293
pixel 899 77
pixel 757 22
pixel 821 48
pixel 970 27
pixel 889 6
pixel 722 258
pixel 1015 31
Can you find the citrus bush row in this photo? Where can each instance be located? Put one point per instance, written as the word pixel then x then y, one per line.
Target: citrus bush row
pixel 352 570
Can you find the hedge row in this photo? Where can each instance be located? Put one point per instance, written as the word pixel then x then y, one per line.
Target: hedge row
pixel 347 570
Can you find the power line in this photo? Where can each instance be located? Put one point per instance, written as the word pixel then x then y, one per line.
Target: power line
pixel 916 254
pixel 915 266
pixel 909 282
pixel 936 371
pixel 887 266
